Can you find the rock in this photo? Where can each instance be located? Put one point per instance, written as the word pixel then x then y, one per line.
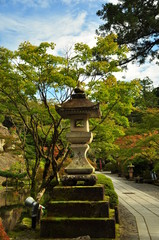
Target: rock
pixel 83 238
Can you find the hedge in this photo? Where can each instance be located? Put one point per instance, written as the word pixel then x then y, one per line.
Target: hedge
pixel 8 174
pixel 109 189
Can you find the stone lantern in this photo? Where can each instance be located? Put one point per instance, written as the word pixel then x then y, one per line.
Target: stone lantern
pixel 131 170
pixel 79 109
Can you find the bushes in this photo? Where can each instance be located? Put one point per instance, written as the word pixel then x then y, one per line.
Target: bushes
pixel 13 178
pixel 9 174
pixel 109 189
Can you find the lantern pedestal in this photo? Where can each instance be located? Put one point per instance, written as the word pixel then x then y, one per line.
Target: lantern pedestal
pixel 71 180
pixel 79 164
pixel 79 169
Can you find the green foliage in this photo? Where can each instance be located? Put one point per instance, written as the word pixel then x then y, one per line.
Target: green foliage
pixel 116 100
pixel 33 81
pixel 26 222
pixel 148 97
pixel 140 145
pixel 136 24
pixel 146 174
pixel 9 174
pixel 156 167
pixel 109 189
pixel 100 61
pixel 111 166
pixel 141 165
pixel 17 167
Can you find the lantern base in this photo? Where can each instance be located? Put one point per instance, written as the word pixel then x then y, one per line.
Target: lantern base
pixel 72 180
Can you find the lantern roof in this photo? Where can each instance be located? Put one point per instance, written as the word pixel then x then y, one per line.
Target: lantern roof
pixel 78 104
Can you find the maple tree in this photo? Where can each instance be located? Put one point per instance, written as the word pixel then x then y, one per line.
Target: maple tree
pixel 140 145
pixel 28 87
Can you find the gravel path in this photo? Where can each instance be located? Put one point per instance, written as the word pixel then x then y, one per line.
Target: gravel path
pixel 128 227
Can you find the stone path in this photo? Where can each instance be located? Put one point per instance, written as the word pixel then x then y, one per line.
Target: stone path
pixel 143 206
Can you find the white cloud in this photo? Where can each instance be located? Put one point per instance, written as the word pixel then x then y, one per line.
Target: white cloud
pixel 145 70
pixel 87 36
pixel 63 30
pixel 33 3
pixel 79 1
pixel 113 1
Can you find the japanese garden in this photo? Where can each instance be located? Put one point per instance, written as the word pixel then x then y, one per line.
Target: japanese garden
pixel 65 120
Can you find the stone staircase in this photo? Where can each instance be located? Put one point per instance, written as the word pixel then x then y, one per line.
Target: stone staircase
pixel 78 211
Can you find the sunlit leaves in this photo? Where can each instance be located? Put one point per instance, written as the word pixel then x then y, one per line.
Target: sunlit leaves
pixel 34 80
pixel 140 145
pixel 100 60
pixel 83 51
pixel 116 102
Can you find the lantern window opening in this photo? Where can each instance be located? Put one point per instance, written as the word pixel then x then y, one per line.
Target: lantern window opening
pixel 79 123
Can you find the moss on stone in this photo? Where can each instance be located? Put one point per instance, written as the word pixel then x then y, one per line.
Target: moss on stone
pixel 111 213
pixel 77 211
pixel 26 222
pixel 109 189
pixel 65 227
pixel 78 208
pixel 62 193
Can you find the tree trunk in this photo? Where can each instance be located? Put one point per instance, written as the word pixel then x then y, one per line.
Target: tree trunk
pixel 33 188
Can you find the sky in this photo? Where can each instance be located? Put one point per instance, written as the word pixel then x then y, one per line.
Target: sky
pixel 63 22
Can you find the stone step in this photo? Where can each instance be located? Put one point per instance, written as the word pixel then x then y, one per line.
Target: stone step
pixel 75 227
pixel 83 193
pixel 78 209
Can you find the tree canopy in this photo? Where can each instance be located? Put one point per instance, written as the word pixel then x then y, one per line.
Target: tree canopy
pixel 140 144
pixel 34 80
pixel 136 23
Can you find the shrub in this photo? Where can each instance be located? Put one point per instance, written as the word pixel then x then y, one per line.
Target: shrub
pixel 156 168
pixel 109 189
pixel 147 174
pixel 8 174
pixel 102 179
pixel 13 183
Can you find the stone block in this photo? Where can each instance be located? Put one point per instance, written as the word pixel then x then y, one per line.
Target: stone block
pixel 85 193
pixel 75 227
pixel 78 209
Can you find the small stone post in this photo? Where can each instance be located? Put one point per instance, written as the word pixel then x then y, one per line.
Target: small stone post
pixel 131 171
